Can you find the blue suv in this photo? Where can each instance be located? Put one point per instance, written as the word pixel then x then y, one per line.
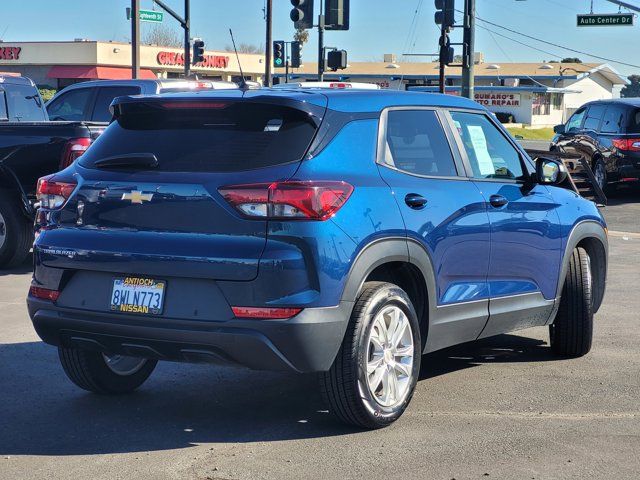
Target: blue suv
pixel 308 230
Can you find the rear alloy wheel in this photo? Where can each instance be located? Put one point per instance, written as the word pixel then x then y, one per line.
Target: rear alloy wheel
pixel 571 333
pixel 376 369
pixel 600 172
pixel 102 373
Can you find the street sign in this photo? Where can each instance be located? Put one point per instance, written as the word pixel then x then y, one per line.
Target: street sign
pixel 151 16
pixel 147 15
pixel 605 20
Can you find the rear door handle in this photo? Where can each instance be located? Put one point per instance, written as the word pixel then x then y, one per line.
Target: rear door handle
pixel 415 201
pixel 498 201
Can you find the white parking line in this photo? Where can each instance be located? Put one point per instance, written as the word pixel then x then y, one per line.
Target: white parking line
pixel 625 235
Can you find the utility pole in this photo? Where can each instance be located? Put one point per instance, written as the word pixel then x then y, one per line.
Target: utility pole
pixel 184 23
pixel 268 44
pixel 441 74
pixel 320 45
pixel 135 39
pixel 469 46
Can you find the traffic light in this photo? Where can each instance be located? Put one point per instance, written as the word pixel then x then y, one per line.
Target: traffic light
pixel 198 51
pixel 278 54
pixel 337 60
pixel 336 14
pixel 445 14
pixel 447 53
pixel 302 13
pixel 296 54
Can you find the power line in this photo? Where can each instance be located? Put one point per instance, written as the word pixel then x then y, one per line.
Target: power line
pixel 557 45
pixel 519 42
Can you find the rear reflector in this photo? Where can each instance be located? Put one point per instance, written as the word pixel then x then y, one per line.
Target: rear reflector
pixel 290 200
pixel 52 194
pixel 265 313
pixel 72 150
pixel 44 293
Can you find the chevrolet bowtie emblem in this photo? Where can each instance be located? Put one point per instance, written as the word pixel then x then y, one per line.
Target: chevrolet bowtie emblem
pixel 137 196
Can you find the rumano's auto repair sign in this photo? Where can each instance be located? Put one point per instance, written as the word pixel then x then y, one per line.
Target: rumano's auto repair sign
pixel 494 99
pixel 177 59
pixel 10 53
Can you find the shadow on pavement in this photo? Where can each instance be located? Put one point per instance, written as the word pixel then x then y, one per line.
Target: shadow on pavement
pixel 42 413
pixel 25 267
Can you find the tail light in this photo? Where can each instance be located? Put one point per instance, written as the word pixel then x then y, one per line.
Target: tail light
pixel 44 293
pixel 265 313
pixel 291 200
pixel 72 150
pixel 627 144
pixel 52 194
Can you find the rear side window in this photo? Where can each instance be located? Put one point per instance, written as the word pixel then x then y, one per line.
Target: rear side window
pixel 24 104
pixel 594 116
pixel 613 120
pixel 70 105
pixel 104 98
pixel 213 137
pixel 416 143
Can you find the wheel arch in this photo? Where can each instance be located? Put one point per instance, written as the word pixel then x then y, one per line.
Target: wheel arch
pixel 399 261
pixel 591 236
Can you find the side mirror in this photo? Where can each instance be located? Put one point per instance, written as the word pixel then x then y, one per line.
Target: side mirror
pixel 559 129
pixel 550 171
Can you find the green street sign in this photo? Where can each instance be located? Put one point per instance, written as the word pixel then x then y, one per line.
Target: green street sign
pixel 605 20
pixel 151 16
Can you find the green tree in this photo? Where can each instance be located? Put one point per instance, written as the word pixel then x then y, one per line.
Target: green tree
pixel 571 60
pixel 301 35
pixel 633 89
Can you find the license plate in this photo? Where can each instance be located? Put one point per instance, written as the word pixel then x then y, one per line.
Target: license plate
pixel 138 295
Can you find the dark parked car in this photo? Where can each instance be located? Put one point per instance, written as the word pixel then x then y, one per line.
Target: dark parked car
pixel 30 146
pixel 607 134
pixel 90 100
pixel 308 230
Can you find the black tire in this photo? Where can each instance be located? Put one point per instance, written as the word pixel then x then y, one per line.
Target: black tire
pixel 345 387
pixel 17 229
pixel 88 370
pixel 600 172
pixel 571 333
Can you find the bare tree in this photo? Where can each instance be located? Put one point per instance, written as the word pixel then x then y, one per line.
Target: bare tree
pixel 246 48
pixel 164 36
pixel 301 35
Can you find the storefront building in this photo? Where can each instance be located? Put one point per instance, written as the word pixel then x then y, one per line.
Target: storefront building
pixel 58 64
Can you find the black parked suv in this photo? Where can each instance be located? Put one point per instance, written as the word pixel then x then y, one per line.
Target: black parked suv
pixel 607 133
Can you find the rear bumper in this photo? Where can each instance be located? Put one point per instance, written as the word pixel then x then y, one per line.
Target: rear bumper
pixel 307 342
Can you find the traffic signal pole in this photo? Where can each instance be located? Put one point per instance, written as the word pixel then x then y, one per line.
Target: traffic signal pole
pixel 268 46
pixel 184 23
pixel 135 39
pixel 468 61
pixel 320 45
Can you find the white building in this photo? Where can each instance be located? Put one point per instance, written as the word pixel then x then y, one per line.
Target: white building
pixel 539 94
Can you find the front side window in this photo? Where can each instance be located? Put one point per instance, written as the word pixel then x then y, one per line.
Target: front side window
pixel 70 106
pixel 104 98
pixel 575 122
pixel 416 143
pixel 490 154
pixel 594 116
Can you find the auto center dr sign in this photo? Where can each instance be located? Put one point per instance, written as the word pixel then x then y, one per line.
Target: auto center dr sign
pixel 177 59
pixel 497 99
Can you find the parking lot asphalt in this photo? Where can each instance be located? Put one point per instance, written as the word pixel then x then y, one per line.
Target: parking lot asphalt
pixel 503 408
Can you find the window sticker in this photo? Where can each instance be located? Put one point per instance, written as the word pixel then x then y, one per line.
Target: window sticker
pixel 485 164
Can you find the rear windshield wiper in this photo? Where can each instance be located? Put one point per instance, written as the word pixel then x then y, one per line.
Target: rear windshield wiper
pixel 128 160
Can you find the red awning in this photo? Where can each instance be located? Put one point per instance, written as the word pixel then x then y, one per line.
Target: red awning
pixel 96 73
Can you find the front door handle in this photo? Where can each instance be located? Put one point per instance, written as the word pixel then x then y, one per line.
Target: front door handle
pixel 498 201
pixel 415 201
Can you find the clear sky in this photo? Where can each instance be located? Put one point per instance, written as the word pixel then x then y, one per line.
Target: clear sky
pixel 377 26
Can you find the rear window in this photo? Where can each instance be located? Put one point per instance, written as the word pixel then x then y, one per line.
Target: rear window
pixel 223 137
pixel 24 104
